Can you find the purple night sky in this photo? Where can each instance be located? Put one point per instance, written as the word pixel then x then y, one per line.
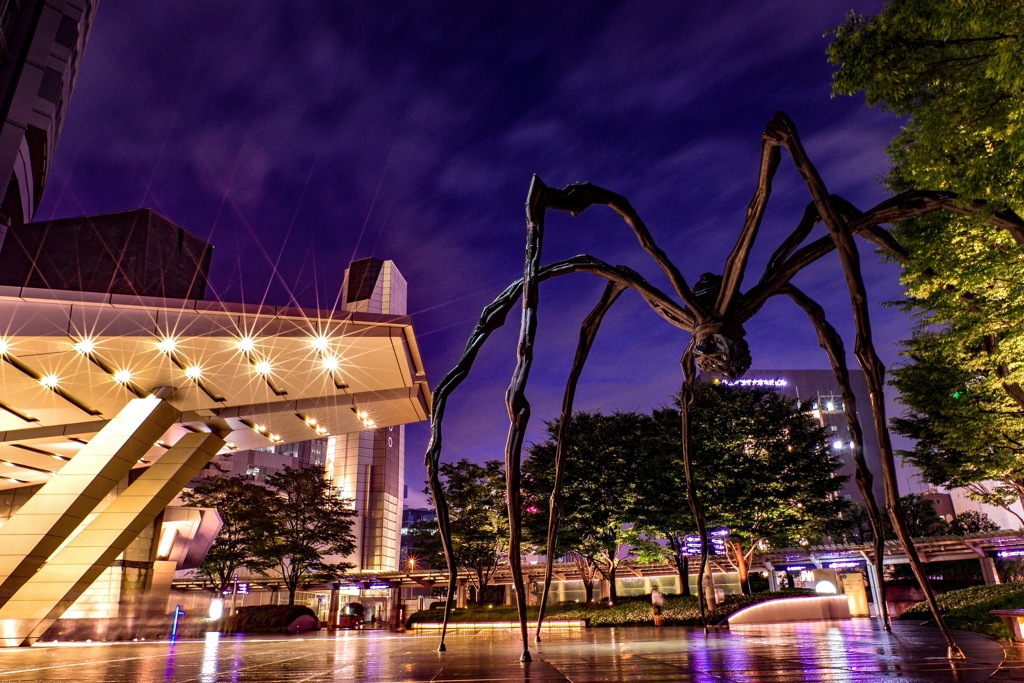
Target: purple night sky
pixel 296 136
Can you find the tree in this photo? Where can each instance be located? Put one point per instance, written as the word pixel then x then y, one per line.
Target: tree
pixel 664 514
pixel 479 521
pixel 970 522
pixel 765 470
pixel 241 505
pixel 922 519
pixel 953 71
pixel 604 456
pixel 953 417
pixel 853 526
pixel 311 528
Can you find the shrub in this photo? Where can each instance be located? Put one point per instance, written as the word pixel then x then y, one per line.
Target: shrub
pixel 968 609
pixel 268 618
pixel 678 611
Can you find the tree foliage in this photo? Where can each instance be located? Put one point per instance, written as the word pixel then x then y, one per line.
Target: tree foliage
pixel 604 460
pixel 479 521
pixel 242 507
pixel 955 72
pixel 765 470
pixel 970 522
pixel 968 433
pixel 311 528
pixel 665 513
pixel 922 519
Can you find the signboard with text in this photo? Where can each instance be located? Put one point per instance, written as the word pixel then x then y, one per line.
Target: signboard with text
pixel 718 537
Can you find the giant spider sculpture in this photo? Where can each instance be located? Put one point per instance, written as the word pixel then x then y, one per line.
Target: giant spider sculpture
pixel 714 312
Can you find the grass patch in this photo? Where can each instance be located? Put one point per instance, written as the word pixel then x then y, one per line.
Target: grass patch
pixel 636 611
pixel 968 609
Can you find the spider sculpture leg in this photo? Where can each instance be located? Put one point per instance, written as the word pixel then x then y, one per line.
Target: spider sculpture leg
pixel 832 343
pixel 491 319
pixel 540 198
pixel 515 397
pixel 874 371
pixel 588 331
pixel 685 407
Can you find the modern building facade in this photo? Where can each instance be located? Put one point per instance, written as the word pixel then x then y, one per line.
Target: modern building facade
pixel 137 252
pixel 41 46
pixel 119 383
pixel 369 466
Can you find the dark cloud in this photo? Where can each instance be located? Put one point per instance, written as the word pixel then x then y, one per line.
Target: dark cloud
pixel 299 135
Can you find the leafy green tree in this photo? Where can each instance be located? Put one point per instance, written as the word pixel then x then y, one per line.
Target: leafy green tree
pixel 604 457
pixel 922 519
pixel 953 71
pixel 968 434
pixel 664 513
pixel 311 528
pixel 478 515
pixel 241 505
pixel 971 522
pixel 765 468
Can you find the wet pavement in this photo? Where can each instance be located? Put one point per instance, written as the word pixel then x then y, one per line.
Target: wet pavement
pixel 841 652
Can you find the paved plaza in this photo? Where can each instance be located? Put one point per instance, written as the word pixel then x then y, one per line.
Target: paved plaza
pixel 840 652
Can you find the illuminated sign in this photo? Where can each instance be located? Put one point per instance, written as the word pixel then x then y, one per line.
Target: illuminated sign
pixel 796 567
pixel 777 382
pixel 1011 553
pixel 847 564
pixel 718 538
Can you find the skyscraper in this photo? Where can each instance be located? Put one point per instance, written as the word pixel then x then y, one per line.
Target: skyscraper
pixel 369 466
pixel 41 45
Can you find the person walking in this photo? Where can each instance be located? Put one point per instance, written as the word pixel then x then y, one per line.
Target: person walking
pixel 657 606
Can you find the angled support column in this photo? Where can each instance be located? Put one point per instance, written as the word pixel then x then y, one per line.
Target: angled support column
pixel 72 569
pixel 58 508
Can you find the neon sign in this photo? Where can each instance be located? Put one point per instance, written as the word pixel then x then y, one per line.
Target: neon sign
pixel 843 565
pixel 777 382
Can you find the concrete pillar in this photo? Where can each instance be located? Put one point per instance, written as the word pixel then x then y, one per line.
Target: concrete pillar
pixel 158 592
pixel 70 571
pixel 48 518
pixel 335 605
pixel 679 584
pixel 395 612
pixel 874 586
pixel 773 580
pixel 462 594
pixel 989 571
pixel 510 594
pixel 530 586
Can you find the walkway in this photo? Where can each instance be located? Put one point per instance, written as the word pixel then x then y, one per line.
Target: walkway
pixel 840 652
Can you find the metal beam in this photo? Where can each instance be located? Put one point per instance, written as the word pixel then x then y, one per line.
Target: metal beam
pixel 71 570
pixel 48 518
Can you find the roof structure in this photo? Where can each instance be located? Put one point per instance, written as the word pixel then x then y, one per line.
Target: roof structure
pixel 70 361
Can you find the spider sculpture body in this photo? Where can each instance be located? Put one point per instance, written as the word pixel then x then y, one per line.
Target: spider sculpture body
pixel 713 312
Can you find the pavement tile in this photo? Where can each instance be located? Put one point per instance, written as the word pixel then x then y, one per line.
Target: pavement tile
pixel 855 651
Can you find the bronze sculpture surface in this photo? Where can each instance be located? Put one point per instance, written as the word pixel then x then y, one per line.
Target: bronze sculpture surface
pixel 714 312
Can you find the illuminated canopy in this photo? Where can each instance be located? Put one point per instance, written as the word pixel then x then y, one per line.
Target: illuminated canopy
pixel 69 361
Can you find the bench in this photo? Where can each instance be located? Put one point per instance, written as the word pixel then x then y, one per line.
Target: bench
pixel 1014 620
